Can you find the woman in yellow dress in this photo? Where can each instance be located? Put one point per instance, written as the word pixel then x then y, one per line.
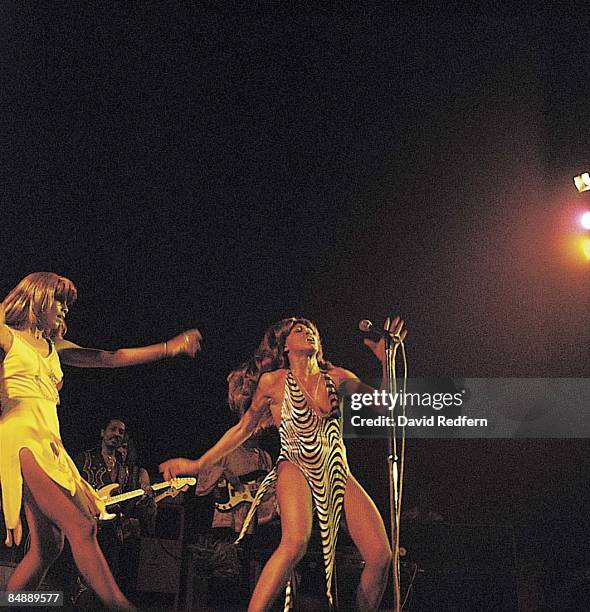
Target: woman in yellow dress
pixel 36 472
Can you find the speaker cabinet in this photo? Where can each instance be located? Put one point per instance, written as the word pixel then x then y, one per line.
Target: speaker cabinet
pixel 160 558
pixel 159 565
pixel 5 573
pixel 459 567
pixel 460 592
pixel 474 549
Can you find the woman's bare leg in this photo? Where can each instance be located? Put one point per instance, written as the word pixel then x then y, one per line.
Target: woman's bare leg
pixel 295 502
pixel 366 528
pixel 50 502
pixel 46 545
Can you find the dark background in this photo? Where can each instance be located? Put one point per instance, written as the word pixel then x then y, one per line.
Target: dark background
pixel 192 164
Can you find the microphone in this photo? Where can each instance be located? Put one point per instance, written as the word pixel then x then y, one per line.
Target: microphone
pixel 367 327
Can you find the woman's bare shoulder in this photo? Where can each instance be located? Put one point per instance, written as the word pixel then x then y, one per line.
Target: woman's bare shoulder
pixel 270 389
pixel 270 380
pixel 6 339
pixel 339 374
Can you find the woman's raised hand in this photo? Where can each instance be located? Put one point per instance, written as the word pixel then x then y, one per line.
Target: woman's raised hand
pixel 179 467
pixel 396 327
pixel 186 343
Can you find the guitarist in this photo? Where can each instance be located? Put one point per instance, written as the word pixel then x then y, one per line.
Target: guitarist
pixel 226 477
pixel 239 472
pixel 139 515
pixel 115 461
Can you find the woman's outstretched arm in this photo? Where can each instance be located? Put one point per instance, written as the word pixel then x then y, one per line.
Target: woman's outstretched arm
pixel 186 343
pixel 235 436
pixel 349 383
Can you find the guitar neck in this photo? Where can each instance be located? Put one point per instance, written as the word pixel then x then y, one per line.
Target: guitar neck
pixel 169 493
pixel 117 499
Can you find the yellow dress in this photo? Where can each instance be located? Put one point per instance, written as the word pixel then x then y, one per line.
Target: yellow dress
pixel 28 400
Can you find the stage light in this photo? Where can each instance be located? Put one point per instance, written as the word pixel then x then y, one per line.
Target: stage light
pixel 586 247
pixel 582 182
pixel 585 220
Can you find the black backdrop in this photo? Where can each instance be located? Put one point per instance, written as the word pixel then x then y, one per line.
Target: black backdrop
pixel 226 166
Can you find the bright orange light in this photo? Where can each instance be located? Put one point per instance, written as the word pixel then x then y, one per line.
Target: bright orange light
pixel 582 182
pixel 586 248
pixel 585 220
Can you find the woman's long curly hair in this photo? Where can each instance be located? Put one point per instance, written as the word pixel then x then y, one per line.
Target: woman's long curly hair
pixel 27 302
pixel 270 355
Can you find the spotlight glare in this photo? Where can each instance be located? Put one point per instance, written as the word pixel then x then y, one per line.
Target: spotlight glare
pixel 585 220
pixel 582 182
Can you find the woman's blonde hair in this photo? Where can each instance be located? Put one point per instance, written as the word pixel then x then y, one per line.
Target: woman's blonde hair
pixel 27 302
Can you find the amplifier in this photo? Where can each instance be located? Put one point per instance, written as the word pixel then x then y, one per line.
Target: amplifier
pixel 459 568
pixel 5 573
pixel 159 565
pixel 461 592
pixel 472 549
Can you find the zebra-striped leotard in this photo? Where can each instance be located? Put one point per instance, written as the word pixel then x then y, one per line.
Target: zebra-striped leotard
pixel 315 445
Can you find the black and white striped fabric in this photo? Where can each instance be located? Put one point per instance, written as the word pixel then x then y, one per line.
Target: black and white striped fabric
pixel 314 444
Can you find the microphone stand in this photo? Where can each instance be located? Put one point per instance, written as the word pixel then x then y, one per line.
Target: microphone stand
pixel 394 472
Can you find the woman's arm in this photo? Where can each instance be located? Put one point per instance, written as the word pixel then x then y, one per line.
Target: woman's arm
pixel 187 343
pixel 235 436
pixel 5 335
pixel 349 383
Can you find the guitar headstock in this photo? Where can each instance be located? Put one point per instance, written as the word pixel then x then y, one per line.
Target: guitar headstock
pixel 171 492
pixel 175 492
pixel 179 483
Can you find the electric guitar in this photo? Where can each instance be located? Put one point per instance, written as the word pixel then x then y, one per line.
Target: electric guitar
pixel 105 493
pixel 230 497
pixel 171 492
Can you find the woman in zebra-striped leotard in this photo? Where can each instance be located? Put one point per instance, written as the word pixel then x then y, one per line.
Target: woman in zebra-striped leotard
pixel 289 384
